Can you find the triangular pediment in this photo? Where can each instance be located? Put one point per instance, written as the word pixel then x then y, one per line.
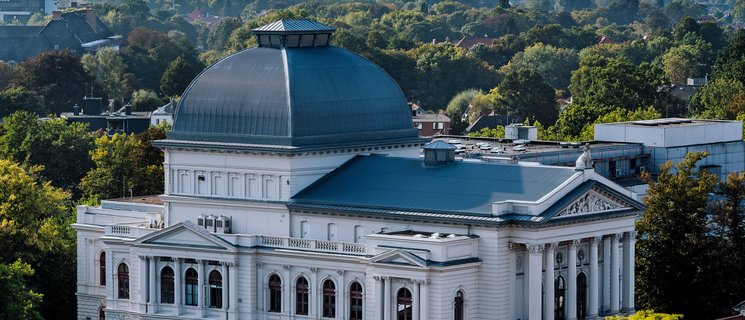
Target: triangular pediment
pixel 399 257
pixel 185 235
pixel 594 200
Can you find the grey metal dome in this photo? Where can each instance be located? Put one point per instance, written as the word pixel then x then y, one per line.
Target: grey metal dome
pixel 288 94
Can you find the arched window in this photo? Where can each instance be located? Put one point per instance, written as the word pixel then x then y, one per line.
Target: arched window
pixel 403 304
pixel 275 294
pixel 329 299
pixel 101 314
pixel 355 301
pixel 191 288
pixel 122 274
pixel 102 269
pixel 559 292
pixel 458 306
pixel 215 281
pixel 301 296
pixel 166 285
pixel 581 296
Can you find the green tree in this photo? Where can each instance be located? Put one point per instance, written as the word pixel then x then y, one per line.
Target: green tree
pixel 617 83
pixel 18 98
pixel 35 227
pixel 218 36
pixel 124 163
pixel 686 61
pixel 648 315
pixel 458 107
pixel 145 100
pixel 18 300
pixel 107 67
pixel 617 115
pixel 555 65
pixel 671 254
pixel 61 149
pixel 176 78
pixel 713 100
pixel 57 76
pixel 731 60
pixel 6 74
pixel 524 92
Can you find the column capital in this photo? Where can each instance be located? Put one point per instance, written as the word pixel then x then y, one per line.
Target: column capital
pixel 377 278
pixel 534 248
pixel 574 243
pixel 287 267
pixel 596 240
pixel 551 246
pixel 226 263
pixel 142 257
pixel 618 235
pixel 175 259
pixel 632 234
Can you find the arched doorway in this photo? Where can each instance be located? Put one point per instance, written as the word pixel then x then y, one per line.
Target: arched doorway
pixel 581 296
pixel 559 297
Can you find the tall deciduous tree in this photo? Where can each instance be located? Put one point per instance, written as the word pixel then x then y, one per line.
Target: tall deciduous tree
pixel 58 76
pixel 61 148
pixel 107 67
pixel 525 93
pixel 18 98
pixel 671 255
pixel 718 99
pixel 176 78
pixel 35 228
pixel 555 65
pixel 17 301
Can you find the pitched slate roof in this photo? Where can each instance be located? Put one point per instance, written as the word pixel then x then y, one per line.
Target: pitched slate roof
pixel 406 184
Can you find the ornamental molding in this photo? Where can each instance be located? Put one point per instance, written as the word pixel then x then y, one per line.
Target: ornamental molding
pixel 596 200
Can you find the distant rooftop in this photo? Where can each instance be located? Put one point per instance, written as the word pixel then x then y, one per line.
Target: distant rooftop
pixel 150 199
pixel 670 132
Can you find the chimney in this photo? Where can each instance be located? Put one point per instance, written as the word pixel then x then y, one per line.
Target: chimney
pixel 56 15
pixel 128 109
pixel 90 17
pixel 76 110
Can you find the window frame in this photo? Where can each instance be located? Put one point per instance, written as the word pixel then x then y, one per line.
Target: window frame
pixel 122 276
pixel 215 289
pixel 167 285
pixel 329 299
pixel 191 287
pixel 302 295
pixel 274 285
pixel 404 304
pixel 356 301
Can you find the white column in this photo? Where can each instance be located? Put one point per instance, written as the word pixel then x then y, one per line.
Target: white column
pixel 548 283
pixel 200 283
pixel 233 290
pixel 424 297
pixel 225 285
pixel 593 281
pixel 287 292
pixel 313 301
pixel 143 285
pixel 416 301
pixel 571 305
pixel 151 279
pixel 614 298
pixel 535 266
pixel 387 299
pixel 606 274
pixel 177 278
pixel 379 300
pixel 629 249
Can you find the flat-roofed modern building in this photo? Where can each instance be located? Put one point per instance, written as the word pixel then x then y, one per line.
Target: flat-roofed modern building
pixel 279 204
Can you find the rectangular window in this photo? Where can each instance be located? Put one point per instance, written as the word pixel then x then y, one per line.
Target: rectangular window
pixel 293 40
pixel 322 40
pixel 307 40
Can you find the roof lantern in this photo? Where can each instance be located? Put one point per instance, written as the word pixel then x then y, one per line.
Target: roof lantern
pixel 293 33
pixel 438 153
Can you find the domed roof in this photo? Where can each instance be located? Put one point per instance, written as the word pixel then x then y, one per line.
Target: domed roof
pixel 284 95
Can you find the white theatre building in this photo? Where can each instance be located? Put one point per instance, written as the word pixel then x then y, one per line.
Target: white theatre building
pixel 295 190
